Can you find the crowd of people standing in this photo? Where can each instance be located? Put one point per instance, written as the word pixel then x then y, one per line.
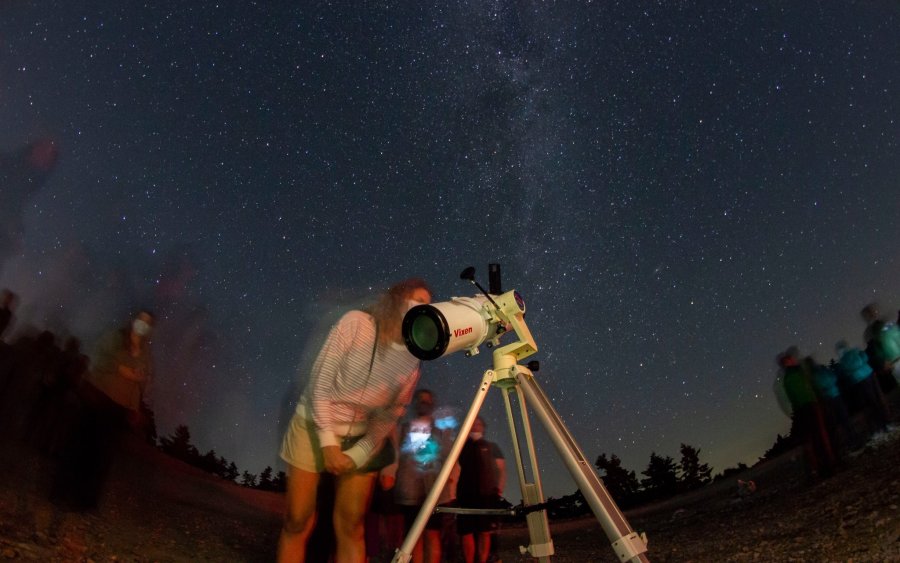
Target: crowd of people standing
pixel 820 398
pixel 73 410
pixel 110 403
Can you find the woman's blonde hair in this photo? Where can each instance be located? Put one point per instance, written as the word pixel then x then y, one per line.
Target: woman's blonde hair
pixel 390 308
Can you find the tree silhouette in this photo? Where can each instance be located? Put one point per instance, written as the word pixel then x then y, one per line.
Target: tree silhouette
pixel 231 472
pixel 248 479
pixel 212 463
pixel 731 471
pixel 222 468
pixel 782 445
pixel 568 506
pixel 661 476
pixel 279 483
pixel 265 479
pixel 621 483
pixel 693 473
pixel 179 446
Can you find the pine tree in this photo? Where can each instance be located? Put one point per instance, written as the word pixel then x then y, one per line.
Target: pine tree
pixel 693 473
pixel 661 476
pixel 222 467
pixel 783 444
pixel 621 483
pixel 210 463
pixel 232 473
pixel 265 479
pixel 248 479
pixel 179 445
pixel 279 483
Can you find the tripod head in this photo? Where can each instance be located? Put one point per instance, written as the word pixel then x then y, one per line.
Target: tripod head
pixel 465 323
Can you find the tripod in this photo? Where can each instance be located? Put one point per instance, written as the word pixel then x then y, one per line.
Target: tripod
pixel 513 378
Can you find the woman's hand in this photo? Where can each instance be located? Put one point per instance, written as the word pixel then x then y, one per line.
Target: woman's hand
pixel 336 461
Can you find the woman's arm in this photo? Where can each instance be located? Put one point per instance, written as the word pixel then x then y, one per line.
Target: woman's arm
pixel 383 421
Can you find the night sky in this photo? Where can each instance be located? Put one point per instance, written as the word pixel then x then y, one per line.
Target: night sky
pixel 679 193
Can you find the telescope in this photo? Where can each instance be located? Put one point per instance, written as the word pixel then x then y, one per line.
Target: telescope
pixel 465 323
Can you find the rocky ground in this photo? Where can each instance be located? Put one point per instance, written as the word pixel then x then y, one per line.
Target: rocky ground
pixel 157 509
pixel 851 517
pixel 154 509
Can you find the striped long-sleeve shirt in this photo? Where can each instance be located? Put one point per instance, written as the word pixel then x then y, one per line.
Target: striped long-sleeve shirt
pixel 342 396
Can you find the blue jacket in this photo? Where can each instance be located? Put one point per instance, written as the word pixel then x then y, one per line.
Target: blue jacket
pixel 855 364
pixel 825 381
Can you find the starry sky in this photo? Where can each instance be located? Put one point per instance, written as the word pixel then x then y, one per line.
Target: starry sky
pixel 678 191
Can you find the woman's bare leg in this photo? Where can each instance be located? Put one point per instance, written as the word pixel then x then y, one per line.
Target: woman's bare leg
pixel 352 496
pixel 300 516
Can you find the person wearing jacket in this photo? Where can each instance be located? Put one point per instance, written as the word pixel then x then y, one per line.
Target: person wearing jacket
pixel 863 387
pixel 803 406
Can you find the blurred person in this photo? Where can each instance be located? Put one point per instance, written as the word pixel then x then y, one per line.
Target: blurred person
pixel 424 446
pixel 39 380
pixel 57 405
pixel 384 520
pixel 74 364
pixel 869 315
pixel 798 400
pixel 863 387
pixel 888 338
pixel 31 359
pixel 482 478
pixel 110 399
pixel 359 387
pixel 882 339
pixel 446 420
pixel 842 435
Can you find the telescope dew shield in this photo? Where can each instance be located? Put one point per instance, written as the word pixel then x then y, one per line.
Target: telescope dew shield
pixel 431 331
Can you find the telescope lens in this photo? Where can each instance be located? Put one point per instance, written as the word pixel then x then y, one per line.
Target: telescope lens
pixel 424 333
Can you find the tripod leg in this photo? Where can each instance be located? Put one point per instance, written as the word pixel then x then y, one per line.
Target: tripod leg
pixel 627 544
pixel 541 546
pixel 404 553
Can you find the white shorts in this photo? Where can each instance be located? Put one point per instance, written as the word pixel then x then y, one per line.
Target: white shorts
pixel 300 446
